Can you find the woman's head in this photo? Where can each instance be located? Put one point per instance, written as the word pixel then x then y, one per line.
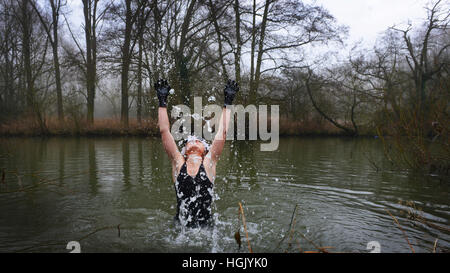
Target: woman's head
pixel 195 146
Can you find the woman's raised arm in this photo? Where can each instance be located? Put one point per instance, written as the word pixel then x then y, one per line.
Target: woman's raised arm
pixel 162 90
pixel 219 140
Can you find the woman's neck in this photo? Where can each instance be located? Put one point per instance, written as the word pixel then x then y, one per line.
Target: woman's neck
pixel 194 159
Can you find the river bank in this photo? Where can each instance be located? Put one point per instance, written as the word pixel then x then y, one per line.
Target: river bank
pixel 148 127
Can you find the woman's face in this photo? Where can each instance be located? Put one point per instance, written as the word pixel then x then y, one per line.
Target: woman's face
pixel 195 147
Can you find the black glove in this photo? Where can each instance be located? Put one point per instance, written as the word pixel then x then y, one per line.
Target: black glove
pixel 230 91
pixel 162 90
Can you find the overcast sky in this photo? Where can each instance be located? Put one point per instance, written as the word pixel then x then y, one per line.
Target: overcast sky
pixel 368 18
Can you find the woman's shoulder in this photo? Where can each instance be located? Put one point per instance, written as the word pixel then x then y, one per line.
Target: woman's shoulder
pixel 177 166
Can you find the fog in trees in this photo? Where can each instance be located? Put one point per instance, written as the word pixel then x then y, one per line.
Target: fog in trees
pixel 71 66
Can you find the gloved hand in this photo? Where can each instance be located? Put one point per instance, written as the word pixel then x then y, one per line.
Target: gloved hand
pixel 230 91
pixel 162 90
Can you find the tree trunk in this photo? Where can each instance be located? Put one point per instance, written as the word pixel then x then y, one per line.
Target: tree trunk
pixel 27 29
pixel 126 64
pixel 156 45
pixel 252 55
pixel 237 54
pixel 52 34
pixel 139 79
pixel 325 116
pixel 124 88
pixel 26 51
pixel 55 15
pixel 219 39
pixel 181 61
pixel 58 86
pixel 91 55
pixel 260 51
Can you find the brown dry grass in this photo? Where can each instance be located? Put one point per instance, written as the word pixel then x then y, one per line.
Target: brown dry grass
pixel 289 127
pixel 101 127
pixel 113 127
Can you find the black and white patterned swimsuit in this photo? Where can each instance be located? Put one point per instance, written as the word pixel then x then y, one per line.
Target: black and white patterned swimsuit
pixel 194 198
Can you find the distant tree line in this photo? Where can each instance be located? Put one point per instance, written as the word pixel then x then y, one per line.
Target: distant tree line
pixel 54 66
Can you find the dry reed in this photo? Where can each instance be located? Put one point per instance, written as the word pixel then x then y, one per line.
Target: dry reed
pixel 241 213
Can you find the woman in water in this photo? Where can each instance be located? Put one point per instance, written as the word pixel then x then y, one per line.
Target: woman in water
pixel 194 168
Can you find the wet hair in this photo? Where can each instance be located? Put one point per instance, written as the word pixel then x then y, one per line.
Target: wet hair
pixel 194 138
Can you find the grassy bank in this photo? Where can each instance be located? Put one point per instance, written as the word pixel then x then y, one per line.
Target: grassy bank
pixel 148 127
pixel 101 127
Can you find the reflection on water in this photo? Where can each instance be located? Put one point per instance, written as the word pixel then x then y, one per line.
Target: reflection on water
pixel 61 189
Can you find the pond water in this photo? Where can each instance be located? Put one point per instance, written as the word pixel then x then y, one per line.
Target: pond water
pixel 58 190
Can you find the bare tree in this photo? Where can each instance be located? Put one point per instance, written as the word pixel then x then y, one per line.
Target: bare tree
pixel 131 20
pixel 237 52
pixel 181 61
pixel 11 100
pixel 141 25
pixel 418 56
pixel 93 17
pixel 90 31
pixel 314 83
pixel 51 27
pixel 311 23
pixel 216 11
pixel 33 60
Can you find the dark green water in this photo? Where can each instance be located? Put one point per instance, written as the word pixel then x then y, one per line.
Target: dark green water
pixel 72 187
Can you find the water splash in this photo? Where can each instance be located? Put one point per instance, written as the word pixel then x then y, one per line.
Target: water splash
pixel 211 99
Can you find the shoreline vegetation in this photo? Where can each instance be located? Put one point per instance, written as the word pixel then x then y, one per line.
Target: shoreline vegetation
pixel 401 147
pixel 27 127
pixel 430 155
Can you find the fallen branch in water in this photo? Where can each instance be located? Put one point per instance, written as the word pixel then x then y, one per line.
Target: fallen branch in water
pixel 375 166
pixel 298 244
pixel 293 222
pixel 40 246
pixel 237 235
pixel 100 229
pixel 291 227
pixel 292 231
pixel 241 212
pixel 404 233
pixel 321 249
pixel 415 214
pixel 425 222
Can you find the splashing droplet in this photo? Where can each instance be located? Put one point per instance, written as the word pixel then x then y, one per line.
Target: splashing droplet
pixel 211 99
